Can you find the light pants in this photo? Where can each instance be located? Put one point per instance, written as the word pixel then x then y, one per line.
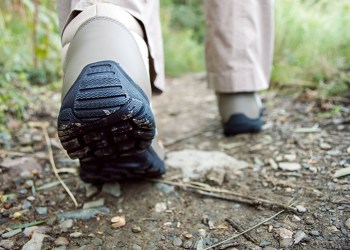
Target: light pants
pixel 238 44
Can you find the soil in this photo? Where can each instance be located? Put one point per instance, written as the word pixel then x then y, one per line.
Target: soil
pixel 312 135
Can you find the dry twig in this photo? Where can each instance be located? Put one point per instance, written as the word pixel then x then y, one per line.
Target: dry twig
pixel 248 230
pixel 214 192
pixel 43 126
pixel 236 226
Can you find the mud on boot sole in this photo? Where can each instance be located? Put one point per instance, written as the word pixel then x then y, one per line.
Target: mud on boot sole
pixel 105 119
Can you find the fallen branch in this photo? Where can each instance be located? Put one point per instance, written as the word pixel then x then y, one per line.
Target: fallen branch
pixel 43 126
pixel 214 192
pixel 248 230
pixel 236 226
pixel 253 201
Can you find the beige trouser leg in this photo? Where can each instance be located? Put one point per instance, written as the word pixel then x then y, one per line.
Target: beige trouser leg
pixel 239 41
pixel 147 12
pixel 239 44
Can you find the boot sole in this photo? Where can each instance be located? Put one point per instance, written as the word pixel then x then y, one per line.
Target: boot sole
pixel 106 122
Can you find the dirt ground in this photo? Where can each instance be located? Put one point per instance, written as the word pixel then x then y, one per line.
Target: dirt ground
pixel 288 167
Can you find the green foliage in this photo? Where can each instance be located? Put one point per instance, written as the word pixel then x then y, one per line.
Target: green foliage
pixel 312 45
pixel 18 54
pixel 183 33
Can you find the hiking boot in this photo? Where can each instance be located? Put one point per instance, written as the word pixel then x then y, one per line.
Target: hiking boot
pixel 105 119
pixel 240 112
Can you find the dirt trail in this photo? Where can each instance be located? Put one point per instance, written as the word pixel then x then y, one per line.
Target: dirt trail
pixel 294 158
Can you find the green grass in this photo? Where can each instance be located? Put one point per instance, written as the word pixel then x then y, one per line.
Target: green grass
pixel 312 45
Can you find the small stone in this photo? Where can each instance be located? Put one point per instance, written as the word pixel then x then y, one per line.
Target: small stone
pixel 290 157
pixel 285 233
pixel 112 188
pixel 29 231
pixel 314 233
pixel 289 166
pixel 264 243
pixel 270 248
pixel 301 209
pixel 83 214
pixel 188 235
pixel 17 215
pixel 347 223
pixel 325 146
pixel 177 242
pixel 26 205
pixel 136 229
pixel 136 247
pixel 273 164
pixel 61 241
pixel 118 221
pixel 97 242
pixel 96 203
pixel 31 198
pixel 202 232
pixel 165 188
pixel 309 221
pixel 285 243
pixel 65 225
pixel 7 244
pixel 35 243
pixel 160 207
pixel 11 233
pixel 41 210
pixel 187 244
pixel 76 234
pixel 299 237
pixel 348 150
pixel 216 176
pixel 90 190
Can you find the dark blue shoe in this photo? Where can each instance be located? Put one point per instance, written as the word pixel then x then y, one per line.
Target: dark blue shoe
pixel 107 123
pixel 241 124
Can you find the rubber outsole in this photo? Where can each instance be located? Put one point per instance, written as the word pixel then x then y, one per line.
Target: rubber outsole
pixel 106 122
pixel 241 124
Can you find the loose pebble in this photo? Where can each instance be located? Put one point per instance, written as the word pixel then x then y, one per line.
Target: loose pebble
pixel 61 241
pixel 136 247
pixel 29 231
pixel 177 242
pixel 96 203
pixel 347 223
pixel 65 225
pixel 83 214
pixel 35 242
pixel 300 236
pixel 160 207
pixel 11 233
pixel 264 243
pixel 112 188
pixel 202 232
pixel 301 209
pixel 76 234
pixel 41 210
pixel 165 188
pixel 90 190
pixel 118 221
pixel 325 146
pixel 314 233
pixel 289 166
pixel 285 233
pixel 7 244
pixel 187 244
pixel 136 229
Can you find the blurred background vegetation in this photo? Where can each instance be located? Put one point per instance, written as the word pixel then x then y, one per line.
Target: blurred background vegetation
pixel 312 47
